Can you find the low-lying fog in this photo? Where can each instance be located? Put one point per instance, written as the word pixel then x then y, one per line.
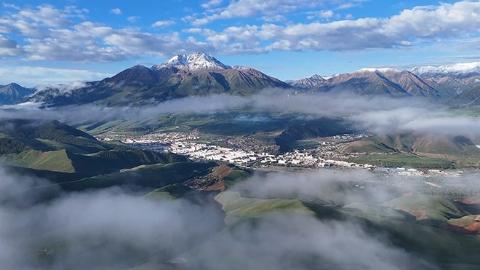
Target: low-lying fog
pixel 375 114
pixel 115 229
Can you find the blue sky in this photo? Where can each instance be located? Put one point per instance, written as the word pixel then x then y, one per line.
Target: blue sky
pixel 44 42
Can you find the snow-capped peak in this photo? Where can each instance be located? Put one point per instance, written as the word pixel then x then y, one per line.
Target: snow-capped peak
pixel 193 61
pixel 458 68
pixel 241 67
pixel 316 77
pixel 310 82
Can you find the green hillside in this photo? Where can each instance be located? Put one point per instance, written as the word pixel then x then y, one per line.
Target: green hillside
pixel 237 206
pixel 18 135
pixel 57 161
pixel 77 161
pixel 148 177
pixel 413 150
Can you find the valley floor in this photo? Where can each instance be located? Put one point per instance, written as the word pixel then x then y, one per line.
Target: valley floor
pixel 323 152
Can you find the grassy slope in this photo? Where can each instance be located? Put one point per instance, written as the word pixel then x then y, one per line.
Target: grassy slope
pixel 446 248
pixel 469 224
pixel 437 151
pixel 53 146
pixel 56 161
pixel 236 206
pixel 145 176
pixel 403 160
pixel 432 208
pixel 88 164
pixel 46 136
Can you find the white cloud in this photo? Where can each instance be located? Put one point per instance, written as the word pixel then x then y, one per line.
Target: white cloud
pixel 268 8
pixel 135 231
pixel 247 8
pixel 274 18
pixel 164 23
pixel 350 4
pixel 211 3
pixel 461 19
pixel 48 33
pixel 323 14
pixel 133 19
pixel 65 34
pixel 116 11
pixel 326 13
pixel 10 6
pixel 124 225
pixel 34 76
pixel 8 47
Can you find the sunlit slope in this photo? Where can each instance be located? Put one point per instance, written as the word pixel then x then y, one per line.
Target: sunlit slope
pixel 436 227
pixel 237 206
pixel 53 146
pixel 415 150
pixel 19 135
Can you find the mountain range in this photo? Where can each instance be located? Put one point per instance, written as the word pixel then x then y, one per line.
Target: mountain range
pixel 379 82
pixel 13 93
pixel 181 76
pixel 199 74
pixel 457 84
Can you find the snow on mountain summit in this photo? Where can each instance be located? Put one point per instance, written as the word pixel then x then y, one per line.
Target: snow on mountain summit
pixel 194 61
pixel 310 82
pixel 458 68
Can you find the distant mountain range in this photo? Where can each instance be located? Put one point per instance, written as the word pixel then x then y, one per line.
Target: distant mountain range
pixel 459 69
pixel 315 81
pixel 199 74
pixel 14 93
pixel 457 84
pixel 378 82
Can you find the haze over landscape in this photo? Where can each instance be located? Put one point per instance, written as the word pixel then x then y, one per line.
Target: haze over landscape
pixel 239 134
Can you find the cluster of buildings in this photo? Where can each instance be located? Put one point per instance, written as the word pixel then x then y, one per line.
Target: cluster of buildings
pixel 191 145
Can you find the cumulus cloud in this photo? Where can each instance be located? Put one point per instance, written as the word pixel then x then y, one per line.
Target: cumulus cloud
pixel 116 11
pixel 91 41
pixel 322 14
pixel 455 20
pixel 49 33
pixel 9 47
pixel 211 3
pixel 133 19
pixel 163 23
pixel 249 8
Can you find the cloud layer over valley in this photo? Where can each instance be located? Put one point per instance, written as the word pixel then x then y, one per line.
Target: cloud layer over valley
pixel 117 229
pixel 380 115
